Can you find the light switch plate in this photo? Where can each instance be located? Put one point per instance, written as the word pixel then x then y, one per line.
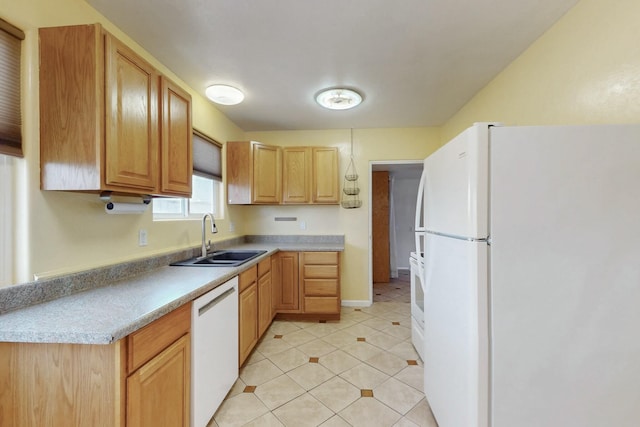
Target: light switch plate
pixel 142 237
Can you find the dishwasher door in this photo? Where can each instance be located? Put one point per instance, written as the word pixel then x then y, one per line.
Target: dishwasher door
pixel 214 350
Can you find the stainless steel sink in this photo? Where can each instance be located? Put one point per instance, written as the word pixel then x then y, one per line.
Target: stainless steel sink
pixel 230 258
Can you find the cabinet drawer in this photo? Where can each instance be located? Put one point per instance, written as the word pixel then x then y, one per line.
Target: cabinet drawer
pixel 321 258
pixel 320 271
pixel 321 287
pixel 247 277
pixel 149 341
pixel 325 305
pixel 264 266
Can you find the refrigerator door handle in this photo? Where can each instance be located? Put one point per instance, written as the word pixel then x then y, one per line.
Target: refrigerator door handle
pixel 419 220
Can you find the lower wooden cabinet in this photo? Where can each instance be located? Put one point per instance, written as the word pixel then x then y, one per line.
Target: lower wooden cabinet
pixel 165 378
pixel 140 380
pixel 287 291
pixel 255 306
pixel 159 366
pixel 247 313
pixel 320 275
pixel 307 284
pixel 265 299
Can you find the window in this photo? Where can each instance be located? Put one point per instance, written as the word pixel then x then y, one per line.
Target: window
pixel 10 143
pixel 206 185
pixel 7 202
pixel 10 118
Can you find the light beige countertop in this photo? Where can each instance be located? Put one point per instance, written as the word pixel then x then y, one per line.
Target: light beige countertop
pixel 113 308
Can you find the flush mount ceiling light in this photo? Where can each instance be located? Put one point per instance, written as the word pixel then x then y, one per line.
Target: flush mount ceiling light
pixel 338 98
pixel 225 95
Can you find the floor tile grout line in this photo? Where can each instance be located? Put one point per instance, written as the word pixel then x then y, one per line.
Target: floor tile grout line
pixel 394 308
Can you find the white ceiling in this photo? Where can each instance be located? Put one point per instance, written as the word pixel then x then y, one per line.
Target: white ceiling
pixel 416 62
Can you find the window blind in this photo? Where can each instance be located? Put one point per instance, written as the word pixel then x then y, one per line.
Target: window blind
pixel 207 156
pixel 10 118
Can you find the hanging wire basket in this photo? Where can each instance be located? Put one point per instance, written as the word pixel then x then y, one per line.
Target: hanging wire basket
pixel 351 174
pixel 351 204
pixel 353 191
pixel 350 186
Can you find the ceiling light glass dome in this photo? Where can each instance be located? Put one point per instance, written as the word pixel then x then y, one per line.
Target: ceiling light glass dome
pixel 224 94
pixel 338 98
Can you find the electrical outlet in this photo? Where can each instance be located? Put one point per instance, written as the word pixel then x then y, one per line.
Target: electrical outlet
pixel 142 237
pixel 303 225
pixel 232 227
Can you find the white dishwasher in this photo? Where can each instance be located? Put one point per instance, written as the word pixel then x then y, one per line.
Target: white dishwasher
pixel 214 350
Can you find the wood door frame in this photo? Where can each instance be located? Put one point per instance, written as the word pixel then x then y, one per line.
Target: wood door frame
pixel 376 164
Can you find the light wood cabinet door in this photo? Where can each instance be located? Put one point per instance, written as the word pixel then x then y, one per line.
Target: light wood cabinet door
pixel 276 283
pixel 131 120
pixel 158 392
pixel 264 303
pixel 296 175
pixel 267 185
pixel 325 183
pixel 176 140
pixel 248 321
pixel 288 291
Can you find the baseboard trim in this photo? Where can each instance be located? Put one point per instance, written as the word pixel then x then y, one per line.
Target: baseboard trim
pixel 355 303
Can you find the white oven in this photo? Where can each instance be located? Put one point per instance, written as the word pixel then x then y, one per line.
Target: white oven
pixel 417 303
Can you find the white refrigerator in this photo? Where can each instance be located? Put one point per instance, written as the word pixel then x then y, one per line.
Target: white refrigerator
pixel 532 277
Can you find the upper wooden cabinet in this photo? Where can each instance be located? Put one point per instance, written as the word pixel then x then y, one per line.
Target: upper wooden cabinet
pixel 310 175
pixel 325 187
pixel 296 174
pixel 106 120
pixel 265 174
pixel 176 139
pixel 253 173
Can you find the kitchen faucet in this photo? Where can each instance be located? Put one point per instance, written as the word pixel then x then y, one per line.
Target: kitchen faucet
pixel 205 246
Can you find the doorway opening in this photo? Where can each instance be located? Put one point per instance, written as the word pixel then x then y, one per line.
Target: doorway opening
pixel 392 202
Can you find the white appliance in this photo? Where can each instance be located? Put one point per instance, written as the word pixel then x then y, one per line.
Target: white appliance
pixel 416 262
pixel 214 350
pixel 532 277
pixel 417 303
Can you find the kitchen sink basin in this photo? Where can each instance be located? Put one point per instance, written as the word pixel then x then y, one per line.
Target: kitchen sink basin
pixel 230 258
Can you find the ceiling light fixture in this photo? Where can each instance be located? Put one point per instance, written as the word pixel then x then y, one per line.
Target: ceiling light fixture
pixel 224 94
pixel 338 98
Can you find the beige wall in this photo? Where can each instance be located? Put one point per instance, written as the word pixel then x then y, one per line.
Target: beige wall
pixel 584 70
pixel 62 232
pixel 368 145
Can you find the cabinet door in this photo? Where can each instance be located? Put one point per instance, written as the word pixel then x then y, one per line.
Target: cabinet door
pixel 296 175
pixel 325 185
pixel 131 119
pixel 264 303
pixel 267 185
pixel 248 321
pixel 158 392
pixel 288 290
pixel 176 145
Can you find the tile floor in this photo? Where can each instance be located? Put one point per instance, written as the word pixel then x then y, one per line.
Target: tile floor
pixel 359 371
